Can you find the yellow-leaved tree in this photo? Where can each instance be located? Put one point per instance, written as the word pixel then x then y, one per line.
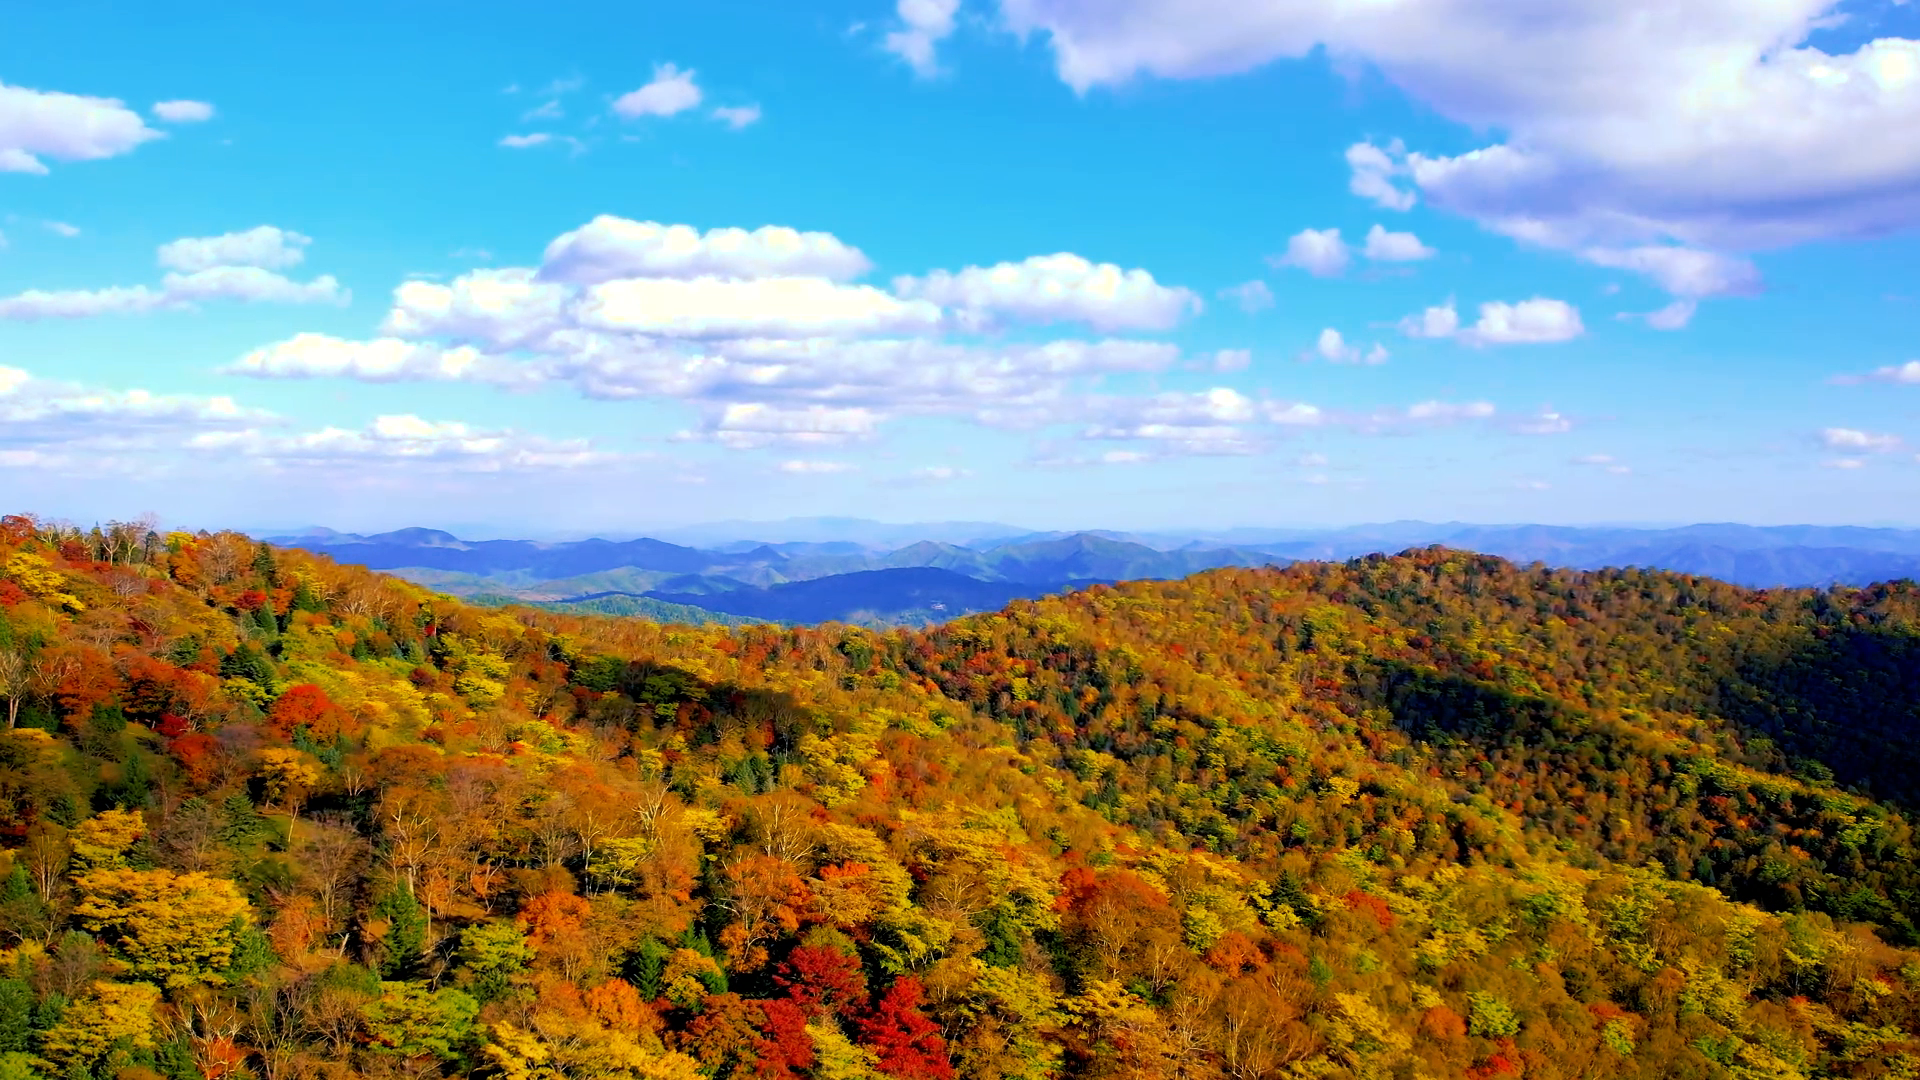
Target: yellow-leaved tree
pixel 108 1013
pixel 173 929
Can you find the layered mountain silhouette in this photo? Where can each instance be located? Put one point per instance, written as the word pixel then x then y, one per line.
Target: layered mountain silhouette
pixel 958 568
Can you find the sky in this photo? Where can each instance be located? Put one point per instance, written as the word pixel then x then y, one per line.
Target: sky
pixel 1141 264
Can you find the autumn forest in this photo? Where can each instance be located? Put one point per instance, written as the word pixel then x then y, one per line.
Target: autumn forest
pixel 1434 815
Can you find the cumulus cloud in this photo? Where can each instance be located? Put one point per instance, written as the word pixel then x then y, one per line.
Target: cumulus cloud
pixel 938 474
pixel 523 142
pixel 737 116
pixel 762 334
pixel 307 356
pixel 1384 246
pixel 1232 360
pixel 1539 321
pixel 672 91
pixel 1907 374
pixel 227 267
pixel 799 467
pixel 770 307
pixel 183 112
pixel 52 416
pixel 1373 170
pixel 752 425
pixel 1319 252
pixel 923 25
pixel 1252 296
pixel 38 124
pixel 409 439
pixel 1544 422
pixel 1708 121
pixel 505 309
pixel 1838 438
pixel 1334 349
pixel 263 246
pixel 1054 288
pixel 610 247
pixel 1605 462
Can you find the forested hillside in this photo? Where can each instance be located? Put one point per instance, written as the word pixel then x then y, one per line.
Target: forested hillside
pixel 1425 816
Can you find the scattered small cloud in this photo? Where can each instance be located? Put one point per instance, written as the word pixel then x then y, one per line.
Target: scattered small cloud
pixel 1544 422
pixel 671 92
pixel 183 112
pixel 1252 296
pixel 1539 321
pixel 1334 349
pixel 737 116
pixel 549 111
pixel 522 142
pixel 1384 246
pixel 1319 252
pixel 923 25
pixel 1232 360
pixel 61 228
pixel 1374 170
pixel 1907 374
pixel 1837 438
pixel 797 467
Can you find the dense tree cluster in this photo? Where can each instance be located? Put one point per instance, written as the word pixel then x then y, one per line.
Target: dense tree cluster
pixel 1424 816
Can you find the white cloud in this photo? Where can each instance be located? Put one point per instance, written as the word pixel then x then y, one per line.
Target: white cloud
pixel 61 417
pixel 183 112
pixel 253 285
pixel 752 425
pixel 1055 288
pixel 1384 246
pixel 1844 463
pixel 385 360
pixel 262 246
pixel 1216 422
pixel 1544 422
pixel 410 439
pixel 1252 296
pixel 760 307
pixel 612 247
pixel 1907 374
pixel 672 91
pixel 522 142
pixel 84 303
pixel 1603 461
pixel 1708 122
pixel 798 467
pixel 1334 349
pixel 737 116
pixel 549 111
pixel 1373 173
pixel 1436 413
pixel 1434 322
pixel 1232 360
pixel 923 25
pixel 177 291
pixel 1836 438
pixel 1674 316
pixel 1319 252
pixel 37 124
pixel 503 309
pixel 1688 273
pixel 1538 321
pixel 61 228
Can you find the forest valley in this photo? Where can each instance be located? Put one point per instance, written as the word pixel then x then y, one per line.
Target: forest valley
pixel 1425 816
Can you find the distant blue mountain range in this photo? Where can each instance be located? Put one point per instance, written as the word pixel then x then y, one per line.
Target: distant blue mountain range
pixel 877 573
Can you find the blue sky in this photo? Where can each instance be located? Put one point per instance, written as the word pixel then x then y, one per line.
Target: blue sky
pixel 526 269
